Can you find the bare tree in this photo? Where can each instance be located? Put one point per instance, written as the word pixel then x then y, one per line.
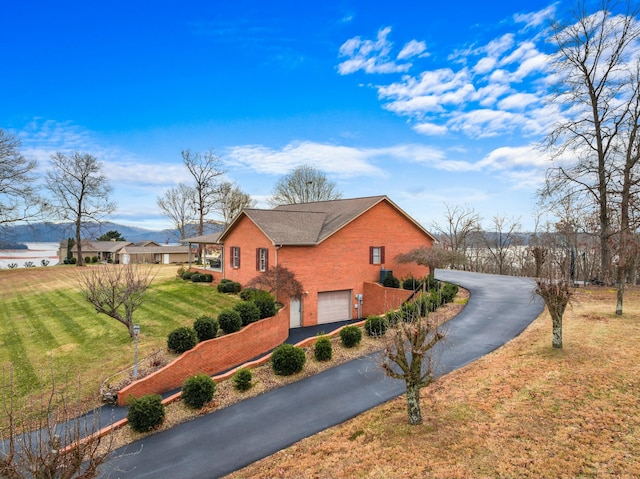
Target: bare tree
pixel 594 91
pixel 18 199
pixel 460 225
pixel 117 290
pixel 303 184
pixel 177 204
pixel 433 257
pixel 49 439
pixel 206 170
pixel 556 295
pixel 79 192
pixel 501 240
pixel 231 201
pixel 279 281
pixel 409 355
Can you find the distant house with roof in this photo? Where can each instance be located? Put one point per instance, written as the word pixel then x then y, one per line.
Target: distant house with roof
pixel 337 250
pixel 127 252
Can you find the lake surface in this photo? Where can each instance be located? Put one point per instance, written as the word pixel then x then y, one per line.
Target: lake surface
pixel 35 253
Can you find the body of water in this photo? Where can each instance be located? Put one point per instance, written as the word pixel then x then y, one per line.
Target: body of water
pixel 35 254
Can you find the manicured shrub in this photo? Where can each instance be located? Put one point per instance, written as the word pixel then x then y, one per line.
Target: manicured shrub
pixel 249 312
pixel 206 327
pixel 206 278
pixel 228 286
pixel 449 292
pixel 390 281
pixel 393 317
pixel 94 259
pixel 287 359
pixel 187 275
pixel 350 336
pixel 242 379
pixel 412 283
pixel 230 321
pixel 196 277
pixel 266 305
pixel 409 312
pixel 146 413
pixel 323 349
pixel 182 339
pixel 249 294
pixel 198 390
pixel 87 259
pixel 376 326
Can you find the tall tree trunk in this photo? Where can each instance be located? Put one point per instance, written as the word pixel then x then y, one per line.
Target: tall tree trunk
pixel 79 242
pixel 556 320
pixel 413 404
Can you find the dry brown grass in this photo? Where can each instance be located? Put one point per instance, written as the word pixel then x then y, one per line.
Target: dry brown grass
pixel 525 410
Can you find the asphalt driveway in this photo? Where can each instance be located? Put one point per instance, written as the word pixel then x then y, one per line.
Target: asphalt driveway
pixel 499 309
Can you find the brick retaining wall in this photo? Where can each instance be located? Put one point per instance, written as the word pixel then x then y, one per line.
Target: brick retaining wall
pixel 213 356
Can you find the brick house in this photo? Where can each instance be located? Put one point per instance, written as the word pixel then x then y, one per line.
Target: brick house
pixel 336 249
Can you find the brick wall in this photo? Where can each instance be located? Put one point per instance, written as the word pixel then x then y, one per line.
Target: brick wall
pixel 213 356
pixel 377 299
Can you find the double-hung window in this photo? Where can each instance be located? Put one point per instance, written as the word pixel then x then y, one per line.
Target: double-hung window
pixel 376 254
pixel 235 256
pixel 262 259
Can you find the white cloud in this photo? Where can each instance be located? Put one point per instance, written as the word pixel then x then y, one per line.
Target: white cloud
pixel 430 129
pixel 412 49
pixel 375 56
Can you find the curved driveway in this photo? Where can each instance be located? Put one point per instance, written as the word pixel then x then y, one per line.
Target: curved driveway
pixel 499 309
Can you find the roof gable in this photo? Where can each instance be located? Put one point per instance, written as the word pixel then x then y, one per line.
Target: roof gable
pixel 312 223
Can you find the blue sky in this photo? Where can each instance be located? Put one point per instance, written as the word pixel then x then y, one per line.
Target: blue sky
pixel 426 102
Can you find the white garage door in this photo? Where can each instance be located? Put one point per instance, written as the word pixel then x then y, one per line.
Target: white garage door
pixel 334 306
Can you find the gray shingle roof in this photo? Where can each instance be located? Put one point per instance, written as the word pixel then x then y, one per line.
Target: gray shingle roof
pixel 311 223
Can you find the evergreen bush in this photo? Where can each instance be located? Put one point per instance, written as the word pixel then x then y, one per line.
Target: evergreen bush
pixel 350 336
pixel 249 312
pixel 323 349
pixel 376 326
pixel 287 359
pixel 228 286
pixel 206 327
pixel 242 379
pixel 266 305
pixel 229 321
pixel 187 275
pixel 390 281
pixel 196 277
pixel 198 390
pixel 182 339
pixel 146 413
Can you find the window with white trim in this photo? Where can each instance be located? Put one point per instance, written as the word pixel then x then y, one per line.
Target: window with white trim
pixel 235 256
pixel 376 255
pixel 262 259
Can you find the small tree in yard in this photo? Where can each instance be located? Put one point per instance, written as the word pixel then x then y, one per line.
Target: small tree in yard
pixel 278 281
pixel 409 355
pixel 117 290
pixel 47 439
pixel 556 295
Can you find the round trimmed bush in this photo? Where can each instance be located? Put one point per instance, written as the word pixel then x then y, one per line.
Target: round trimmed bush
pixel 242 379
pixel 350 336
pixel 287 359
pixel 323 349
pixel 267 305
pixel 230 321
pixel 146 413
pixel 182 339
pixel 206 327
pixel 228 286
pixel 376 326
pixel 249 312
pixel 390 281
pixel 198 390
pixel 196 277
pixel 187 275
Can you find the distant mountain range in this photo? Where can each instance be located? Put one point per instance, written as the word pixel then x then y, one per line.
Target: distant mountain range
pixel 55 232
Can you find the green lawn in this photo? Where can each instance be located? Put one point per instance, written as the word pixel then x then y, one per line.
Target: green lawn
pixel 45 324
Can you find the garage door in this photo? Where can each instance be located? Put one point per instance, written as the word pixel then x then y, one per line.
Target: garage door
pixel 334 306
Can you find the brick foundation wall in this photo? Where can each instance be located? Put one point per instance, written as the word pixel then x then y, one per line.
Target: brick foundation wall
pixel 377 300
pixel 213 356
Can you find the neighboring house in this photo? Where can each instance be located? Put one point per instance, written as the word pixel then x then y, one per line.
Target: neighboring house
pixel 128 252
pixel 334 248
pixel 105 251
pixel 152 252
